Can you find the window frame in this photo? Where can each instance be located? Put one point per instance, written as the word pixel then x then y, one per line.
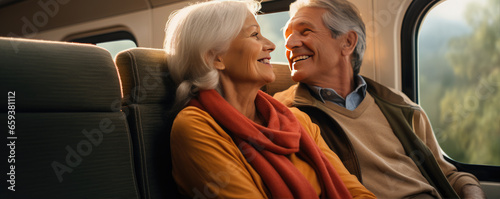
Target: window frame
pixel 412 21
pixel 409 42
pixel 273 6
pixel 106 37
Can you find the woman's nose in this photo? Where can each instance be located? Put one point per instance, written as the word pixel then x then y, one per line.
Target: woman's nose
pixel 269 45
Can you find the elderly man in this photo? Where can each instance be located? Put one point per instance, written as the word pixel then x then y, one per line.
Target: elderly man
pixel 381 136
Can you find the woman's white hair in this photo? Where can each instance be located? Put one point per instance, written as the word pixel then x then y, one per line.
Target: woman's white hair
pixel 341 17
pixel 195 35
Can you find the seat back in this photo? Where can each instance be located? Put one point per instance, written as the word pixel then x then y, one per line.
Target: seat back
pixel 66 139
pixel 148 96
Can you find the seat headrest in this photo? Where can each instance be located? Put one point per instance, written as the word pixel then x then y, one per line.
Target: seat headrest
pixel 145 77
pixel 58 76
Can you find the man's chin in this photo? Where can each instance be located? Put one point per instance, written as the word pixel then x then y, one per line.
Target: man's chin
pixel 296 76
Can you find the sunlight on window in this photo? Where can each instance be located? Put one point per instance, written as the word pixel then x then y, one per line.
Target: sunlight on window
pixel 459 78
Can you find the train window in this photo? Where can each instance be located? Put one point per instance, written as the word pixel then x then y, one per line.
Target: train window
pixel 114 41
pixel 114 47
pixel 272 28
pixel 459 78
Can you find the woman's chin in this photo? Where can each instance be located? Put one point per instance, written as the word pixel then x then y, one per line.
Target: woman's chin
pixel 270 79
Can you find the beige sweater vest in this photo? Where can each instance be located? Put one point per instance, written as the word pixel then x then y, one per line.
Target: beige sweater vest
pixel 386 170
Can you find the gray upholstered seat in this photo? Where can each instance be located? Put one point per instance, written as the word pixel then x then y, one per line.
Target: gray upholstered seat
pixel 72 138
pixel 148 96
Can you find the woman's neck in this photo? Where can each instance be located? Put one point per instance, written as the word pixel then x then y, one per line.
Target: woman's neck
pixel 242 98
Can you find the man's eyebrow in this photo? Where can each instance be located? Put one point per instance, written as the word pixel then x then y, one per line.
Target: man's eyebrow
pixel 299 24
pixel 305 23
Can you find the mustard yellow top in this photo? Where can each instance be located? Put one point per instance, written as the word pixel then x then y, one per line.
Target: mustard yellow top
pixel 207 163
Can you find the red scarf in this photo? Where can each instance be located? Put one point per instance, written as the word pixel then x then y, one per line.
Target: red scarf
pixel 266 148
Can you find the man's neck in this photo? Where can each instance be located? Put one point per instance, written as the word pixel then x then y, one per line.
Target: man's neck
pixel 341 79
pixel 343 85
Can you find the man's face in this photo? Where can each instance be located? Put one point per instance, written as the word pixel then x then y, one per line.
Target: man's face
pixel 312 52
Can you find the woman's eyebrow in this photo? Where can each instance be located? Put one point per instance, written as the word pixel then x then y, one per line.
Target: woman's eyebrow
pixel 253 25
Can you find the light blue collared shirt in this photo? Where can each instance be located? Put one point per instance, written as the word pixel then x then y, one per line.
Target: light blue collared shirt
pixel 352 100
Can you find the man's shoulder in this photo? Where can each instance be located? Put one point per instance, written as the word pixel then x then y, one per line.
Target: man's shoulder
pixel 405 98
pixel 388 94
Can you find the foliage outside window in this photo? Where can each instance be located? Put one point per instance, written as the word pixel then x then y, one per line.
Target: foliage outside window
pixel 459 78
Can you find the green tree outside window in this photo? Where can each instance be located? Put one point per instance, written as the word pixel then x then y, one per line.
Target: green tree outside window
pixel 459 76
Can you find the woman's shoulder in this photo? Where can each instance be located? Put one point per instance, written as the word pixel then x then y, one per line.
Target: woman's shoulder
pixel 192 120
pixel 192 114
pixel 195 123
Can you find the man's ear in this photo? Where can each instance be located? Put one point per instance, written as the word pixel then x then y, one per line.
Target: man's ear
pixel 350 39
pixel 218 63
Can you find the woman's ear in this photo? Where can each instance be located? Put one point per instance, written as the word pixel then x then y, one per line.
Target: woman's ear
pixel 218 63
pixel 350 39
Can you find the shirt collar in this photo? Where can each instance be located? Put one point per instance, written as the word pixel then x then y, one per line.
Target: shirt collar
pixel 352 100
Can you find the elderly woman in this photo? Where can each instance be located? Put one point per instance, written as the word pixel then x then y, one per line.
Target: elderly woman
pixel 232 140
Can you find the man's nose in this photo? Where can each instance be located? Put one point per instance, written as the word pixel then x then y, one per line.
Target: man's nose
pixel 293 41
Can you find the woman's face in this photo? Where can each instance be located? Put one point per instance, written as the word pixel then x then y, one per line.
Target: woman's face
pixel 248 57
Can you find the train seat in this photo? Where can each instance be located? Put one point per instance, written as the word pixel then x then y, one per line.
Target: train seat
pixel 148 97
pixel 67 140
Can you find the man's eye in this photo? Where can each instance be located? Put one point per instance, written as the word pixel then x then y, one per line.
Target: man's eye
pixel 305 31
